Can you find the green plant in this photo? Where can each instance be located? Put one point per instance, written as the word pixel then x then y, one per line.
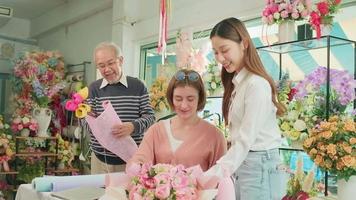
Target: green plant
pixel 30 171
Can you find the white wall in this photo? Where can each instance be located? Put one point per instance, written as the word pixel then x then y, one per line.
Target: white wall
pixel 77 41
pixel 16 28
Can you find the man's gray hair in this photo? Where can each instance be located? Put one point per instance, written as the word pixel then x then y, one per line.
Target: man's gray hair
pixel 108 45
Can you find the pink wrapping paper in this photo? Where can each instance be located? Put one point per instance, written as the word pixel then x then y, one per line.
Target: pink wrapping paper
pixel 124 147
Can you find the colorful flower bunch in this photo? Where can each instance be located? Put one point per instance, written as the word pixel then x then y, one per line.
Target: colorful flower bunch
pixel 163 181
pixel 323 15
pixel 332 146
pixel 278 11
pixel 158 94
pixel 38 77
pixel 296 122
pixel 6 150
pixel 212 79
pixel 77 103
pixel 65 151
pixel 18 124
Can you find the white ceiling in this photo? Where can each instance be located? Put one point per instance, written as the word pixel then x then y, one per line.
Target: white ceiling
pixel 29 9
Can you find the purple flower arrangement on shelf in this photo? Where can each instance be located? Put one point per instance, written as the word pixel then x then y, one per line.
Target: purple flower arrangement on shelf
pixel 342 86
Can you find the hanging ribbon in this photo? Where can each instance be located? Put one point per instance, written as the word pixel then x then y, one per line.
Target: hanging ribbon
pixel 164 10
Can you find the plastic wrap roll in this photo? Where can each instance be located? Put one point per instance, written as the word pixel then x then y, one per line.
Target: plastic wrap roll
pixel 60 183
pixel 78 77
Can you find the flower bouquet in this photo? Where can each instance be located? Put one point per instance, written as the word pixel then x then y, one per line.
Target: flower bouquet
pixel 278 11
pixel 6 150
pixel 212 79
pixel 65 152
pixel 331 145
pixel 158 95
pixel 323 15
pixel 25 125
pixel 160 181
pixel 296 122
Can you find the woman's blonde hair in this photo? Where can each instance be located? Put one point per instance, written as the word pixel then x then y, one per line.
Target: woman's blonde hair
pixel 233 29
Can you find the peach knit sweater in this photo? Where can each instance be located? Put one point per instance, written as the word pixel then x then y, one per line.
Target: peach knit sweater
pixel 203 148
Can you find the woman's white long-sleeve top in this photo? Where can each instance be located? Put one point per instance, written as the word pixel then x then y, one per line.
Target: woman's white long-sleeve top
pixel 252 122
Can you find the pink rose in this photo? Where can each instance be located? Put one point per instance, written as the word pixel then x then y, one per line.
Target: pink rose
pixel 180 181
pixel 295 15
pixel 323 7
pixel 284 14
pixel 163 191
pixel 162 178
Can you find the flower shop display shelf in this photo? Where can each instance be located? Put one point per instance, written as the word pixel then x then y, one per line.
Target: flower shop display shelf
pixel 39 160
pixel 329 91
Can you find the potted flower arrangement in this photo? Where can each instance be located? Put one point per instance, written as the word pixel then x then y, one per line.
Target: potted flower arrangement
pixel 322 16
pixel 26 126
pixel 284 13
pixel 158 98
pixel 212 79
pixel 331 144
pixel 38 78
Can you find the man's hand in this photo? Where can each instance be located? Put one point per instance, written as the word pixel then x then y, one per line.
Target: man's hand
pixel 124 129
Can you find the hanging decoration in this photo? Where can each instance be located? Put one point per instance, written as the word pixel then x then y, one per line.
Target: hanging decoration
pixel 164 13
pixel 187 56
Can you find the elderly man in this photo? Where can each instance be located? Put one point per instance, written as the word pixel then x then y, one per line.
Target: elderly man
pixel 128 96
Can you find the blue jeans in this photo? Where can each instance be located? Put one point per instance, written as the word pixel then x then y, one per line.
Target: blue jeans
pixel 260 177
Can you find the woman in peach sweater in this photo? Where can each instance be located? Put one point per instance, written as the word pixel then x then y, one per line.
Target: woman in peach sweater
pixel 186 138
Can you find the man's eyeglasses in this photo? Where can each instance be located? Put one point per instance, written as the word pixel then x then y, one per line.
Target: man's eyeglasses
pixel 191 76
pixel 110 64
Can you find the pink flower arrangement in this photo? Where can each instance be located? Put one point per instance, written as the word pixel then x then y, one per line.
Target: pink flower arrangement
pixel 323 15
pixel 19 124
pixel 163 181
pixel 278 11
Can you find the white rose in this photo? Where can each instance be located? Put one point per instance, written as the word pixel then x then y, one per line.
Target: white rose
pixel 25 120
pixel 299 125
pixel 276 15
pixel 292 115
pixel 213 85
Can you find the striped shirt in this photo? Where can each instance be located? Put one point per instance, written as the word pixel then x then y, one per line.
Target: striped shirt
pixel 131 102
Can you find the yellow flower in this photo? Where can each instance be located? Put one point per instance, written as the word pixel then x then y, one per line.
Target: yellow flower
pixel 285 126
pixel 294 134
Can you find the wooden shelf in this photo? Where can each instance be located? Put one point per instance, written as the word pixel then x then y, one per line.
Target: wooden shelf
pixel 63 170
pixel 37 137
pixel 35 154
